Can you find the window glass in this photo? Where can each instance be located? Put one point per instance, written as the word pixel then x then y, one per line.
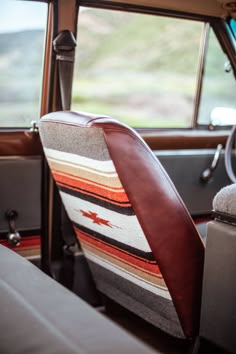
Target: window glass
pixel 22 30
pixel 217 104
pixel 140 69
pixel 232 27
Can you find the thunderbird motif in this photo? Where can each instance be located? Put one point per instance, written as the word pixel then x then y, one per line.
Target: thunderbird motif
pixel 95 218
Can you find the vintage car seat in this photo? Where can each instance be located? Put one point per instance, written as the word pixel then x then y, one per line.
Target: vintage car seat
pixel 140 241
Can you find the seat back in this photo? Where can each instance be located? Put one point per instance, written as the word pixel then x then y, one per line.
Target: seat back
pixel 141 244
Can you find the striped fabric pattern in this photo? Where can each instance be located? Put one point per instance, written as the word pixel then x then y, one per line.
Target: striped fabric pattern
pixel 107 227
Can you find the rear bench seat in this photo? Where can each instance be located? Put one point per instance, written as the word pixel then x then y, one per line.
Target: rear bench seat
pixel 38 315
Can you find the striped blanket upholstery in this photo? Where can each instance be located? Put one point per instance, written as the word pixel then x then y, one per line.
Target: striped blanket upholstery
pixel 113 241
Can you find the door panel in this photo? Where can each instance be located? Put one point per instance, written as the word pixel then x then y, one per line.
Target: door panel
pixel 185 155
pixel 20 189
pixel 20 143
pixel 183 139
pixel 20 182
pixel 184 168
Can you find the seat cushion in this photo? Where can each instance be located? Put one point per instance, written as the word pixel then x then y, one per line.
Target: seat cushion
pixel 39 316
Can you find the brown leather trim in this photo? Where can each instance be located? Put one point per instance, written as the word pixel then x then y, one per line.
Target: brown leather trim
pixel 20 143
pixel 166 222
pixel 183 139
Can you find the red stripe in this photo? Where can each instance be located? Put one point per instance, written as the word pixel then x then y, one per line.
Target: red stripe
pixel 135 262
pixel 62 173
pixel 26 242
pixel 93 195
pixel 153 262
pixel 114 196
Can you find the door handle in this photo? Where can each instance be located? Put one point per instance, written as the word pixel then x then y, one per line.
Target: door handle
pixel 13 236
pixel 207 174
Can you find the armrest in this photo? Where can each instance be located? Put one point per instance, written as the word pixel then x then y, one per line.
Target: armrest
pixel 224 204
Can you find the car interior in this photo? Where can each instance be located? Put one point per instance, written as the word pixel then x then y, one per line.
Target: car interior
pixel 118 185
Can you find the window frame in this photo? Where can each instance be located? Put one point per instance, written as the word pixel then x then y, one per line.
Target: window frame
pixel 226 42
pixel 219 26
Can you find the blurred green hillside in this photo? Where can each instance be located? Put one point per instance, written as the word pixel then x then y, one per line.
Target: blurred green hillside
pixel 142 69
pixel 137 68
pixel 21 55
pixel 135 42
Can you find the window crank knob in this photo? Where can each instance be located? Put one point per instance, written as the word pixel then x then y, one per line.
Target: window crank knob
pixel 14 238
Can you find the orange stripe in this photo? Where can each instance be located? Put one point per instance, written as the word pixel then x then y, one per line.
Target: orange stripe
pixel 119 197
pixel 87 180
pixel 99 197
pixel 115 247
pixel 136 263
pixel 124 266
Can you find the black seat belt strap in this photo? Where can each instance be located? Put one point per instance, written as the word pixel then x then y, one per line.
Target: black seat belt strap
pixel 70 250
pixel 64 47
pixel 67 229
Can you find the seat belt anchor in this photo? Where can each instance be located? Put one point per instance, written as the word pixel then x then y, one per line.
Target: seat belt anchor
pixel 64 42
pixel 64 47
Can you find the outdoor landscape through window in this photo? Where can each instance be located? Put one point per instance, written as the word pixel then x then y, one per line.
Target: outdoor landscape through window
pixel 21 59
pixel 138 68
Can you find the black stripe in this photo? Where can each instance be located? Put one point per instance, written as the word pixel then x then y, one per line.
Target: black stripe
pixel 81 190
pixel 122 246
pixel 119 209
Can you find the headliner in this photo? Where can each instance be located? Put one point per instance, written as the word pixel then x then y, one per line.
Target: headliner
pixel 213 8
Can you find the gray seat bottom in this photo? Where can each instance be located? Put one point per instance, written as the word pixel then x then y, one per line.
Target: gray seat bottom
pixel 39 316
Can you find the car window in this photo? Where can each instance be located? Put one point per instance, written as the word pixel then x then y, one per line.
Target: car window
pixel 22 30
pixel 138 68
pixel 217 105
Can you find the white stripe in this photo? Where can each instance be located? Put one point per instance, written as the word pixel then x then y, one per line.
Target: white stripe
pixel 83 162
pixel 94 171
pixel 94 183
pixel 125 229
pixel 127 275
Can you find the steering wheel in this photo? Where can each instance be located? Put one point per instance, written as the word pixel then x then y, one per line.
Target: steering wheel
pixel 228 155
